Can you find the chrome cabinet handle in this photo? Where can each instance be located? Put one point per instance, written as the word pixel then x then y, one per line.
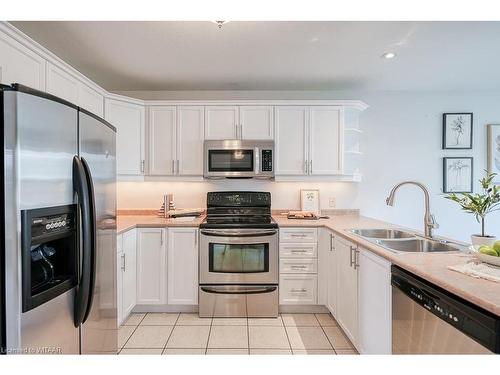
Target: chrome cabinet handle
pixel 298 235
pixel 123 262
pixel 352 249
pixel 142 166
pixel 173 166
pixel 298 251
pixel 332 246
pixel 177 161
pixel 298 267
pixel 196 238
pixel 306 168
pixel 356 259
pixel 310 166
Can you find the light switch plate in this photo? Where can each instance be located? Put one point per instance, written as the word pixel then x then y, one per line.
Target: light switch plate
pixel 331 202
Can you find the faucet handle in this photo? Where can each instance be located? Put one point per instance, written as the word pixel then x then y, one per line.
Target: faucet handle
pixel 432 222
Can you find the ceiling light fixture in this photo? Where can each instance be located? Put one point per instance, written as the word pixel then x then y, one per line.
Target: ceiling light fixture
pixel 220 23
pixel 388 55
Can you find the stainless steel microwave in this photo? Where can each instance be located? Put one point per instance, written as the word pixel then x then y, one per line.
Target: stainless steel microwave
pixel 238 159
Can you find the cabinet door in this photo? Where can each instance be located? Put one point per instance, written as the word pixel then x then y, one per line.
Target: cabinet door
pixel 62 84
pixel 325 140
pixel 119 279
pixel 90 99
pixel 331 273
pixel 162 134
pixel 182 263
pixel 221 122
pixel 128 119
pixel 19 64
pixel 290 140
pixel 347 289
pixel 151 266
pixel 129 272
pixel 256 122
pixel 190 136
pixel 375 301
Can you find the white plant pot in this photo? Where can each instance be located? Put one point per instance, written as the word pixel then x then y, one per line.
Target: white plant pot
pixel 478 240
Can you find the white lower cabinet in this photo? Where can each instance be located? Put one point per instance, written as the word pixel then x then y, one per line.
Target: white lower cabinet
pixel 298 252
pixel 375 304
pixel 182 266
pixel 298 289
pixel 329 262
pixel 127 274
pixel 151 266
pixel 347 288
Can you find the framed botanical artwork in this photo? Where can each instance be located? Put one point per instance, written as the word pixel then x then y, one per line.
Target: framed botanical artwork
pixel 309 200
pixel 494 151
pixel 458 175
pixel 457 131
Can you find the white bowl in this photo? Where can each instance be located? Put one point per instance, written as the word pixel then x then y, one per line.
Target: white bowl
pixel 490 259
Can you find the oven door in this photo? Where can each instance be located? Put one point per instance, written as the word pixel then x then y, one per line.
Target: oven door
pixel 239 256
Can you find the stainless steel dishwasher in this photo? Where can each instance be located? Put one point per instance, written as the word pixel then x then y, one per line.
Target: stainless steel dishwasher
pixel 429 320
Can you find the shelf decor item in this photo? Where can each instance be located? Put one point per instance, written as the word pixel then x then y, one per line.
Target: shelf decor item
pixel 494 152
pixel 309 200
pixel 457 175
pixel 457 131
pixel 480 205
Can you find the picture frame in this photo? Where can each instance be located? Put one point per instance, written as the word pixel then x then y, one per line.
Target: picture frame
pixel 458 174
pixel 457 131
pixel 494 151
pixel 309 200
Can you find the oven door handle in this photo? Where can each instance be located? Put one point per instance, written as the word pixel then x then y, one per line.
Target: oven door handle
pixel 238 290
pixel 238 233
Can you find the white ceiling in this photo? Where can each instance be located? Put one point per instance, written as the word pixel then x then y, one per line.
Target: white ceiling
pixel 124 56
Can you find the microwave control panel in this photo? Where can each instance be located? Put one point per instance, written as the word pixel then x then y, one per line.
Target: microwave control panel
pixel 267 160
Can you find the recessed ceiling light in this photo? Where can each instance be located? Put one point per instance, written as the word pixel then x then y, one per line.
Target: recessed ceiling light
pixel 220 23
pixel 388 55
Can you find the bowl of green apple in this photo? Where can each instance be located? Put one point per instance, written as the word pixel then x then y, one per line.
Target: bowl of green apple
pixel 488 253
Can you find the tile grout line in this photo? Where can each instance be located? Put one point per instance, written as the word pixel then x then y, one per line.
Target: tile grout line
pixel 135 329
pixel 171 332
pixel 324 332
pixel 209 333
pixel 286 333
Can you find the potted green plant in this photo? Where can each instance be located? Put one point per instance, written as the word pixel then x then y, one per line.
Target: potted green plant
pixel 480 205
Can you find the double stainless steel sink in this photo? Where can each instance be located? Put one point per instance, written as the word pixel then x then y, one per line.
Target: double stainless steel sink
pixel 405 242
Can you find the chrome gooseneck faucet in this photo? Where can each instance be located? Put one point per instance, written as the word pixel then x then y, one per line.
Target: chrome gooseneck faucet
pixel 429 220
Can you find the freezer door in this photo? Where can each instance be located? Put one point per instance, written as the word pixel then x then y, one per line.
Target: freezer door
pixel 99 333
pixel 40 140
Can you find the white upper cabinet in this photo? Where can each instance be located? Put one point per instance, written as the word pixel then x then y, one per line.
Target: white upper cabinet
pixel 128 118
pixel 162 144
pixel 90 99
pixel 325 140
pixel 190 136
pixel 221 122
pixel 290 139
pixel 182 266
pixel 151 266
pixel 62 84
pixel 19 64
pixel 256 122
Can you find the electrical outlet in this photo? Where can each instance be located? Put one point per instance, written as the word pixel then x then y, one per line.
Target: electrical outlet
pixel 331 202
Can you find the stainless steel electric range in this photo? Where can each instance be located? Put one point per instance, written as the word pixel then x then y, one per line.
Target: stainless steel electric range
pixel 238 256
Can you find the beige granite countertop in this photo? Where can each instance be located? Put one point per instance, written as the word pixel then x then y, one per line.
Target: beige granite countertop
pixel 430 266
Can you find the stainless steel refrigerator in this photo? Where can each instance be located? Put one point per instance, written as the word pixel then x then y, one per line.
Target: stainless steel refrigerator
pixel 58 255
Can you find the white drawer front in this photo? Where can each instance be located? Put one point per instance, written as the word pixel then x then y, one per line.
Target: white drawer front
pixel 298 235
pixel 298 265
pixel 298 289
pixel 298 250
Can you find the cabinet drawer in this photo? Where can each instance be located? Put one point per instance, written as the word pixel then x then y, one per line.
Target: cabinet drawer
pixel 298 265
pixel 298 250
pixel 299 235
pixel 298 289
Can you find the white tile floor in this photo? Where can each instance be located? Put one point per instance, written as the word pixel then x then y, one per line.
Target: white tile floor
pixel 165 333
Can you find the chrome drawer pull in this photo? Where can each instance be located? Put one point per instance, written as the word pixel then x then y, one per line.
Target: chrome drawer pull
pixel 298 290
pixel 298 251
pixel 298 267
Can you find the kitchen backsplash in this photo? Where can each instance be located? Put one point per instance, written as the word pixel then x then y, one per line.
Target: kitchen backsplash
pixel 285 195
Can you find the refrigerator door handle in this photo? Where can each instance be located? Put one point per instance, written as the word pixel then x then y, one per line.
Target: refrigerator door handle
pixel 93 243
pixel 82 293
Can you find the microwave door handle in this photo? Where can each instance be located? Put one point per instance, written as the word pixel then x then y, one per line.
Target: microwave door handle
pixel 257 160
